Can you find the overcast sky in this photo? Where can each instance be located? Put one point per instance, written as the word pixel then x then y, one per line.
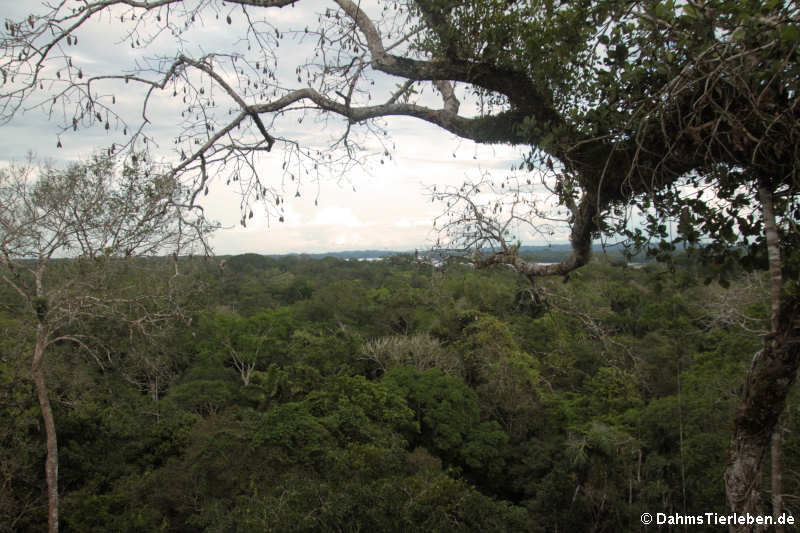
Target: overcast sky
pixel 384 206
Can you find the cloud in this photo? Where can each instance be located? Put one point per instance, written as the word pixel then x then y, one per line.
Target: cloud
pixel 337 216
pixel 379 206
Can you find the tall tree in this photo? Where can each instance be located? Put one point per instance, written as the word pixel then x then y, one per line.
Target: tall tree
pixel 67 238
pixel 684 112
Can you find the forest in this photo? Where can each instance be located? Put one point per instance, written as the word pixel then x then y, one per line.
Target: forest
pixel 149 385
pixel 301 394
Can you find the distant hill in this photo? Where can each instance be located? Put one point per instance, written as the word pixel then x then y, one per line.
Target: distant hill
pixel 348 254
pixel 552 253
pixel 557 252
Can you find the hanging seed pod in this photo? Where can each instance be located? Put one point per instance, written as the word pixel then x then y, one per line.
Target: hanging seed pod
pixel 229 19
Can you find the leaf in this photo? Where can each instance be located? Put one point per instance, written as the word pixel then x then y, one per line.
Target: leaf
pixel 691 11
pixel 790 33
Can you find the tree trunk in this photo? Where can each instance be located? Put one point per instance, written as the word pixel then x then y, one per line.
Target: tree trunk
pixel 776 479
pixel 773 255
pixel 51 462
pixel 766 386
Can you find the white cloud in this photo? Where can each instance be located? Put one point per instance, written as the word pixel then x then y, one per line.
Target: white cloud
pixel 337 216
pixel 390 208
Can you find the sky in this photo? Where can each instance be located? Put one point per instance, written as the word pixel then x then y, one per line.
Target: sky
pixel 381 206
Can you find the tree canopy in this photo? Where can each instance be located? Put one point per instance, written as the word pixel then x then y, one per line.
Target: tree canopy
pixel 461 412
pixel 67 237
pixel 673 121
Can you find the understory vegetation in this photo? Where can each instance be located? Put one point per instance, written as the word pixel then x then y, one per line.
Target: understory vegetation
pixel 330 395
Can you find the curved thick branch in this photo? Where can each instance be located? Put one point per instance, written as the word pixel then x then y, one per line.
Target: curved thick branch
pixel 583 228
pixel 524 96
pixel 499 128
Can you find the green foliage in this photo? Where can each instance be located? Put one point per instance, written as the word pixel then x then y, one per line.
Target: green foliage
pixel 21 452
pixel 482 418
pixel 332 395
pixel 360 410
pixel 612 391
pixel 449 418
